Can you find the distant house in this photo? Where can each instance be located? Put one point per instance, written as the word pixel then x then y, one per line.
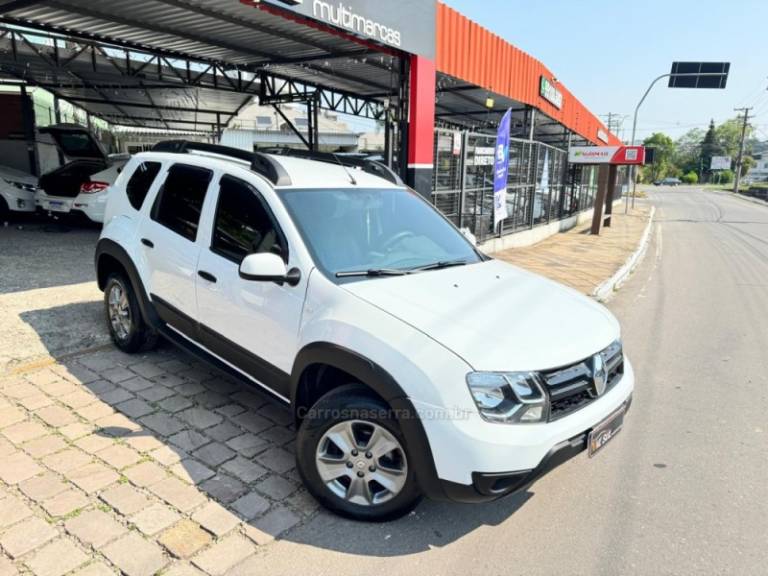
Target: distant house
pixel 759 172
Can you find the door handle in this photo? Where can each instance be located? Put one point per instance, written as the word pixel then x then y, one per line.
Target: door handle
pixel 147 242
pixel 206 276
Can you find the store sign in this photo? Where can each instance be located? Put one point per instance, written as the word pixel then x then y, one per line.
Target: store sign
pixel 408 25
pixel 720 163
pixel 551 94
pixel 620 155
pixel 457 143
pixel 501 169
pixel 602 135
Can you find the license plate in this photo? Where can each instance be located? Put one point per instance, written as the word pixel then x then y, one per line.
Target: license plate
pixel 605 431
pixel 57 205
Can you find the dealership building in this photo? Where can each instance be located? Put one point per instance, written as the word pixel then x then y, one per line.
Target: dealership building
pixel 436 82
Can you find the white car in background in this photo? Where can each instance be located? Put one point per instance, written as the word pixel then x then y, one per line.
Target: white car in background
pixel 17 192
pixel 80 184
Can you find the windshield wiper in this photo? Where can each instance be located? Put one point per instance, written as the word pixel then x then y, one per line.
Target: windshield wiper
pixel 371 272
pixel 440 265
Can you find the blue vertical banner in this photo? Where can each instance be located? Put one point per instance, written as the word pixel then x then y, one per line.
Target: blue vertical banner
pixel 501 168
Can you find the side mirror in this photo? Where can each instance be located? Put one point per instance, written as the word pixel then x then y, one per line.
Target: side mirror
pixel 268 267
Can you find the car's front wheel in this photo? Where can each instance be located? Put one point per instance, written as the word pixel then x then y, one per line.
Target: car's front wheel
pixel 353 458
pixel 126 326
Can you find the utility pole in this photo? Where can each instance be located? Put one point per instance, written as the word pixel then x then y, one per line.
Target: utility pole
pixel 740 158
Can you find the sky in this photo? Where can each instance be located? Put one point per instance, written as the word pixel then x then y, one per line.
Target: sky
pixel 607 52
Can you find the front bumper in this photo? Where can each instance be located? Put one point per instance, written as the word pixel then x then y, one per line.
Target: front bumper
pixel 488 486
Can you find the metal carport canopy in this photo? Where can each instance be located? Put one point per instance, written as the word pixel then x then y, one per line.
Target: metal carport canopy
pixel 182 64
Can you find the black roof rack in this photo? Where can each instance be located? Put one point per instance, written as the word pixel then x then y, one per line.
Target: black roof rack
pixel 369 166
pixel 259 163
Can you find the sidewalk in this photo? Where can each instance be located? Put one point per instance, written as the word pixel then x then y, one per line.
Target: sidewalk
pixel 580 260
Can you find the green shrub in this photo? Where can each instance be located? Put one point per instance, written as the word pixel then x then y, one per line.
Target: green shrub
pixel 723 177
pixel 690 178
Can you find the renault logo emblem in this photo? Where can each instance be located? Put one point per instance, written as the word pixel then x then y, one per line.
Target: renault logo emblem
pixel 599 377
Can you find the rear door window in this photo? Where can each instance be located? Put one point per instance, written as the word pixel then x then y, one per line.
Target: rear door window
pixel 180 201
pixel 140 183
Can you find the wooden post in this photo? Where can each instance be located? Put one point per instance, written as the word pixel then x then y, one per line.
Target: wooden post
pixel 611 190
pixel 602 192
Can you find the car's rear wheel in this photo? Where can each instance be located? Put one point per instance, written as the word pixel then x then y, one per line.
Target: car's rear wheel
pixel 353 457
pixel 126 326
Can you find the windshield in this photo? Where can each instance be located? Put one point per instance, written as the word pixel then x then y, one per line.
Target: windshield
pixel 390 230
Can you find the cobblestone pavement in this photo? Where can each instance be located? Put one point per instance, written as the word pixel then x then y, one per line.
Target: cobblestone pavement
pixel 580 260
pixel 140 464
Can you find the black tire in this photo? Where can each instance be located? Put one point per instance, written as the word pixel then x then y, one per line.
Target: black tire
pixel 352 403
pixel 5 213
pixel 139 337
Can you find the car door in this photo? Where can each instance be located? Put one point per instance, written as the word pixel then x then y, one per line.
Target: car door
pixel 252 325
pixel 168 236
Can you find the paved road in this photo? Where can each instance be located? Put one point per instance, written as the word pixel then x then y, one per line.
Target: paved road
pixel 683 489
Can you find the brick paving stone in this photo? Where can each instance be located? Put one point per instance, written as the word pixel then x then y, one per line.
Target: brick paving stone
pixel 163 424
pixel 224 431
pixel 200 418
pixel 67 460
pixel 145 474
pixel 189 440
pixel 303 502
pixel 95 411
pixel 277 459
pixel 252 422
pixel 223 385
pixel 184 539
pixel 224 488
pixel 94 527
pixel 6 448
pixel 250 505
pixel 216 519
pixel 115 396
pixel 167 455
pixel 56 558
pixel 65 503
pixel 56 416
pixel 7 568
pixel 168 380
pixel 12 510
pixel 93 477
pixel 76 430
pixel 135 408
pixel 43 487
pixel 214 454
pixel 192 471
pixel 175 403
pixel 78 399
pixel 22 390
pixel 278 435
pixel 117 425
pixel 271 525
pixel 147 369
pixel 27 536
pixel 94 442
pixel 119 456
pixel 135 556
pixel 36 401
pixel 155 519
pixel 156 393
pixel 96 362
pixel 249 399
pixel 97 568
pixel 45 445
pixel 58 388
pixel 178 494
pixel 211 400
pixel 244 469
pixel 187 388
pixel 230 410
pixel 248 444
pixel 101 388
pixel 10 415
pixel 23 431
pixel 143 441
pixel 17 467
pixel 279 414
pixel 76 373
pixel 117 375
pixel 136 384
pixel 125 499
pixel 276 487
pixel 223 555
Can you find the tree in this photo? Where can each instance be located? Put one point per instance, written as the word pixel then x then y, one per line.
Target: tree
pixel 688 150
pixel 709 147
pixel 664 155
pixel 729 137
pixel 690 178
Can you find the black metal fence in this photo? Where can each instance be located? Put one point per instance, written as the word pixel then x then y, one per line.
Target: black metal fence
pixel 542 187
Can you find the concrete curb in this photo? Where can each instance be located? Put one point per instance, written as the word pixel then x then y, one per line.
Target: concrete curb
pixel 606 289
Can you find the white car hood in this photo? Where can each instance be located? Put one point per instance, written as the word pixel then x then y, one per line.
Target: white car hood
pixel 495 316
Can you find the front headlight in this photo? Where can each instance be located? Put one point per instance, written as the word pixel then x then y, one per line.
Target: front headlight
pixel 509 397
pixel 22 186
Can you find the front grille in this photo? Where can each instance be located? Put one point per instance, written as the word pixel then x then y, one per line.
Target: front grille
pixel 573 387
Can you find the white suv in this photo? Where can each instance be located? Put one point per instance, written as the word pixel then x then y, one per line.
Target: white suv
pixel 413 363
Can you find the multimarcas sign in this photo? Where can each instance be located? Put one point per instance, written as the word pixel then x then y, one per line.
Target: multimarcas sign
pixel 622 155
pixel 408 25
pixel 550 93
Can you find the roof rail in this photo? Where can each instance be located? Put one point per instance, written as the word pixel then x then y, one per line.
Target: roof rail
pixel 258 162
pixel 369 166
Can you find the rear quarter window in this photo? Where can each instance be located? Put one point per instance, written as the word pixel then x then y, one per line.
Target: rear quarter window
pixel 140 182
